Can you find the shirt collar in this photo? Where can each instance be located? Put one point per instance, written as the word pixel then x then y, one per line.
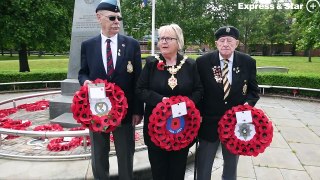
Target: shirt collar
pixel 113 38
pixel 230 58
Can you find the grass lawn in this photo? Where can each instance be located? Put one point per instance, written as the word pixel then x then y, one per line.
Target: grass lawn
pixel 36 64
pixel 296 64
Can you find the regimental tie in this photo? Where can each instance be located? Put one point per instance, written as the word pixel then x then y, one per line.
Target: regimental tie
pixel 110 67
pixel 225 81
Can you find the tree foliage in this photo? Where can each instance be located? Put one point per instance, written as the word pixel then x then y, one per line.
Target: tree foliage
pixel 35 24
pixel 308 25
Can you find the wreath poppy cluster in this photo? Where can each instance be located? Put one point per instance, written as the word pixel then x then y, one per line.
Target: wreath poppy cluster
pixel 36 106
pixel 165 139
pixel 57 144
pixel 9 123
pixel 81 108
pixel 6 112
pixel 60 144
pixel 259 142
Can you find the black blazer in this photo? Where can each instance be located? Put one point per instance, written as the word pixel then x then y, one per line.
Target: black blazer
pixel 153 85
pixel 244 88
pixel 92 68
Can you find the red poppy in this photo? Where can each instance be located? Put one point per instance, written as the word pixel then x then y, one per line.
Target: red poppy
pixel 160 65
pixel 107 123
pixel 165 139
pixel 259 142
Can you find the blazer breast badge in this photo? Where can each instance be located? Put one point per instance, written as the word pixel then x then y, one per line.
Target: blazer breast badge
pixel 129 67
pixel 217 73
pixel 245 88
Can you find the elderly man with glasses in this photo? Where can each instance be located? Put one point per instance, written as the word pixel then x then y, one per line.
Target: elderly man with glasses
pixel 117 59
pixel 229 79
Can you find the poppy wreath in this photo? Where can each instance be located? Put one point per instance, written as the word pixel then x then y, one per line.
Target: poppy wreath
pixel 14 124
pixel 36 106
pixel 259 142
pixel 81 108
pixel 58 144
pixel 186 130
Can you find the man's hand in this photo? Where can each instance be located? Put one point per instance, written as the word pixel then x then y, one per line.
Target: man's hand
pixel 86 82
pixel 136 119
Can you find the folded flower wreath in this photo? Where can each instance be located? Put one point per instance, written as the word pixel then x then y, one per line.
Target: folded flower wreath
pixel 259 142
pixel 81 108
pixel 58 144
pixel 173 134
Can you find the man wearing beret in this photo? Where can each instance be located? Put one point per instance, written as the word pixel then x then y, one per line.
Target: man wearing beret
pixel 229 79
pixel 115 58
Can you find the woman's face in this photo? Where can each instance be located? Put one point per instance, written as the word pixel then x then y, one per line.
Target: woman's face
pixel 168 43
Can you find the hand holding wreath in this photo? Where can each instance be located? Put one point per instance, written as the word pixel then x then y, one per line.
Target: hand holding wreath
pixel 105 123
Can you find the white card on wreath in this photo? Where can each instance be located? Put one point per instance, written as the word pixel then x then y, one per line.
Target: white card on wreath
pixel 179 109
pixel 67 139
pixel 97 91
pixel 244 117
pixel 100 107
pixel 245 131
pixel 3 136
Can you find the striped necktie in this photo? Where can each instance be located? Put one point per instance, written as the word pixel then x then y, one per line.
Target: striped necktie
pixel 225 81
pixel 110 68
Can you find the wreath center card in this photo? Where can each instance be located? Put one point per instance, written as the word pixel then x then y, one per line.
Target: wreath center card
pixel 245 130
pixel 174 132
pixel 100 106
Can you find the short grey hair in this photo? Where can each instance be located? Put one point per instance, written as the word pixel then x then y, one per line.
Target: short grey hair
pixel 177 30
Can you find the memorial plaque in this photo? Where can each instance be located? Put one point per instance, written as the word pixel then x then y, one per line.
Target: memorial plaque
pixel 84 26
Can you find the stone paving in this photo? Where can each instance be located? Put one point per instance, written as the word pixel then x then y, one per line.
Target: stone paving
pixel 294 153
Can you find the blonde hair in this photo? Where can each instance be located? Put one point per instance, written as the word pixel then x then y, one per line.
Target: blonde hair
pixel 177 31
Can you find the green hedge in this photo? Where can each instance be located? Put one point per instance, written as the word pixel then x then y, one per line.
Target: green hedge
pixel 290 80
pixel 275 79
pixel 24 77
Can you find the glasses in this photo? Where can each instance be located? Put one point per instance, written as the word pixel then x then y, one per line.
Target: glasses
pixel 113 18
pixel 166 39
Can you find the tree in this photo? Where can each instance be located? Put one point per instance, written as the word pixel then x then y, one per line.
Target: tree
pixel 37 24
pixel 306 26
pixel 188 14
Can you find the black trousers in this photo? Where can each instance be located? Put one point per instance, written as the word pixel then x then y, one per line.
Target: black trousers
pixel 168 165
pixel 124 146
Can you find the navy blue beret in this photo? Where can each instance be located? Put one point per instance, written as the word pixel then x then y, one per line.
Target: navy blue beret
pixel 227 31
pixel 110 5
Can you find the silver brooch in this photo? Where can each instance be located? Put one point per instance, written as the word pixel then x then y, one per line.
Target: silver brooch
pixel 237 70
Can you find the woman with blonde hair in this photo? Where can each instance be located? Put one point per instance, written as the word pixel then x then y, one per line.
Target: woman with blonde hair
pixel 164 75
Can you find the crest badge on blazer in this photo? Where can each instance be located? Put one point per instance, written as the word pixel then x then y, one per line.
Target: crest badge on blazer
pixel 129 67
pixel 245 88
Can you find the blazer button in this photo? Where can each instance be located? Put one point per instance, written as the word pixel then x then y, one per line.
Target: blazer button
pixel 225 102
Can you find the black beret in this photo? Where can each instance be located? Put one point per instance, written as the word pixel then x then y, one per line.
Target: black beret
pixel 110 5
pixel 227 31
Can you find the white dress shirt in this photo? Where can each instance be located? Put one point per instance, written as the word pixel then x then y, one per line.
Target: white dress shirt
pixel 114 47
pixel 229 66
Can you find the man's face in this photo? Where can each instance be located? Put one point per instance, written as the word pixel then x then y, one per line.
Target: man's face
pixel 226 45
pixel 110 22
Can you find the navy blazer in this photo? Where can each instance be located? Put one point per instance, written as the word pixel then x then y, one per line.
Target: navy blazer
pixel 244 88
pixel 92 68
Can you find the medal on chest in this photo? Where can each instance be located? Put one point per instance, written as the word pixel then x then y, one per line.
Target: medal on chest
pixel 172 81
